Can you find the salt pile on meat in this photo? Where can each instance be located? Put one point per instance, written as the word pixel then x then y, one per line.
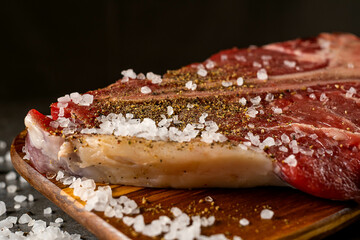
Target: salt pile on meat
pixel 119 125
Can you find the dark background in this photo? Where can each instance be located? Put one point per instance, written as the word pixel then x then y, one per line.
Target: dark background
pixel 54 47
pixel 51 48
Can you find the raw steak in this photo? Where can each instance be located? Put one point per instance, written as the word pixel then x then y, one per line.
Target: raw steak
pixel 282 114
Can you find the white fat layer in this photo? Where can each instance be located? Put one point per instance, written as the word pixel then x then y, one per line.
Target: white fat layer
pixel 40 139
pixel 158 163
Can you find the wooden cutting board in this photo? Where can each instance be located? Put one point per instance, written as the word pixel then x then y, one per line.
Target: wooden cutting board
pixel 297 215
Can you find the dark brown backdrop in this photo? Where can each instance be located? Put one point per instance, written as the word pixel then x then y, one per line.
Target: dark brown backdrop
pixel 54 47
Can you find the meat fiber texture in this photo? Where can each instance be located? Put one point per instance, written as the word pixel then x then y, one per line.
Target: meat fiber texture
pixel 281 114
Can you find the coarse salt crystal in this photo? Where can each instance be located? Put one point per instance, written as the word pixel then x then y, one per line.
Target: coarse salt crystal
pixel 170 110
pixel 254 139
pixel 25 218
pixel 11 188
pixel 251 112
pixel 244 222
pixel 209 199
pixel 256 64
pixel 17 206
pixel 242 101
pixel 7 156
pixel 285 138
pixel 2 145
pixel 350 92
pixel 226 83
pixel 203 117
pixel 141 76
pixel 10 176
pixel 155 78
pixel 47 211
pixel 269 97
pixel 290 64
pixel 30 198
pixel 268 142
pixel 145 90
pixel 277 110
pixel 291 161
pixel 190 85
pixel 2 208
pixel 129 73
pixel 256 100
pixel 323 97
pixel 239 81
pixel 240 58
pixel 19 198
pixel 283 149
pixel 266 214
pixel 64 99
pixel 224 57
pixel 262 74
pixel 312 96
pixel 210 64
pixel 59 220
pixel 202 72
pixel 87 100
pixel 176 211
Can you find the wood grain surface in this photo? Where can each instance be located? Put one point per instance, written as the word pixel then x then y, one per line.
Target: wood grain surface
pixel 297 215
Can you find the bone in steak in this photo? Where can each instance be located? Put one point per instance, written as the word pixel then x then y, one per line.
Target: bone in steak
pixel 282 114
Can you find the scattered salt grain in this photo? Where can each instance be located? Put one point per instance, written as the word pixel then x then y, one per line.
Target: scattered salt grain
pixel 240 81
pixel 240 58
pixel 129 221
pixel 209 199
pixel 291 161
pixel 226 83
pixel 47 211
pixel 224 57
pixel 312 96
pixel 251 112
pixel 256 100
pixel 283 149
pixel 242 101
pixel 269 97
pixel 285 138
pixel 176 211
pixel 350 92
pixel 244 222
pixel 30 198
pixel 262 74
pixel 59 175
pixel 170 110
pixel 2 208
pixel 323 97
pixel 64 99
pixel 145 90
pixel 203 117
pixel 290 64
pixel 3 145
pixel 7 156
pixel 202 72
pixel 141 76
pixel 190 85
pixel 19 198
pixel 277 110
pixel 59 220
pixel 11 188
pixel 25 218
pixel 254 139
pixel 129 73
pixel 266 214
pixel 256 64
pixel 17 206
pixel 155 78
pixel 268 142
pixel 87 100
pixel 210 64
